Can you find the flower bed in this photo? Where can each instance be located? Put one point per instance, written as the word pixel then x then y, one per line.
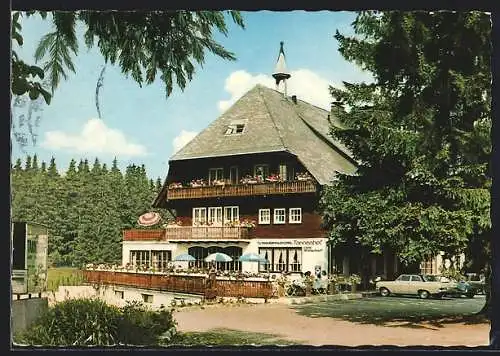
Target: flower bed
pixel 172 269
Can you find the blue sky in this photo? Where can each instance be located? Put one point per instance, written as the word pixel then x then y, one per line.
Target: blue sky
pixel 141 126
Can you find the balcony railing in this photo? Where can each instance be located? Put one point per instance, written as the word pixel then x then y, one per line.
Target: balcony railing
pixel 143 235
pixel 235 190
pixel 206 233
pixel 199 285
pixel 182 233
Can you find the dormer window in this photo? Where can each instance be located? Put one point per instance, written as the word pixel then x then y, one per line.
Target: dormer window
pixel 236 127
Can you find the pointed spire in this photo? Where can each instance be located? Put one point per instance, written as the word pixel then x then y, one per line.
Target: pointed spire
pixel 281 72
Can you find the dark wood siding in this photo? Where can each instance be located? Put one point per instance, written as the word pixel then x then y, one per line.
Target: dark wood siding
pixel 185 170
pixel 309 228
pixel 248 210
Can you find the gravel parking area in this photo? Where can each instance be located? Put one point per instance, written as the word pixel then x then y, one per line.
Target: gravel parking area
pixel 367 321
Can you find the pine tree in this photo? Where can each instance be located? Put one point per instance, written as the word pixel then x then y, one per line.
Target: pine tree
pixel 71 168
pixel 18 166
pixel 104 168
pixel 96 168
pixel 52 171
pixel 27 165
pixel 158 185
pixel 34 164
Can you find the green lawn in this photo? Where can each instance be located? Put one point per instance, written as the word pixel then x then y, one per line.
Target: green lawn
pixel 59 276
pixel 406 311
pixel 227 337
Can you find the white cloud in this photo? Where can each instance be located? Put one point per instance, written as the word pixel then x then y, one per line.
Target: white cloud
pixel 95 137
pixel 182 139
pixel 304 83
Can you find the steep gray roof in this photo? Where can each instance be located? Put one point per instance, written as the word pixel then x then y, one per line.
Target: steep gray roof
pixel 274 123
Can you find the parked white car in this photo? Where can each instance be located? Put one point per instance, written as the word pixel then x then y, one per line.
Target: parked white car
pixel 416 284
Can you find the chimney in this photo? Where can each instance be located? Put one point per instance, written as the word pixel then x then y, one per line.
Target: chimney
pixel 294 99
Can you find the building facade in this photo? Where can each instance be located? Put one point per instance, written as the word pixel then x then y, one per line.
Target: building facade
pixel 251 183
pixel 29 257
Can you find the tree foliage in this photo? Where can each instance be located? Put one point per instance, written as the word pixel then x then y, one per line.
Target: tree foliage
pixel 24 76
pixel 420 132
pixel 143 44
pixel 85 210
pixel 91 322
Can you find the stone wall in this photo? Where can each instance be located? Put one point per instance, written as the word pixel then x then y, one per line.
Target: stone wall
pixel 25 311
pixel 120 295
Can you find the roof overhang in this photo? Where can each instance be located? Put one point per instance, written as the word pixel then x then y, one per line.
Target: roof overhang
pixel 227 154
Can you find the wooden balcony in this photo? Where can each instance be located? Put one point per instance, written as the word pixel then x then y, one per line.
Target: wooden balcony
pixel 237 190
pixel 197 233
pixel 188 233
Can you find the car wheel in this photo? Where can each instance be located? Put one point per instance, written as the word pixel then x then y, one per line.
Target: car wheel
pixel 384 292
pixel 423 294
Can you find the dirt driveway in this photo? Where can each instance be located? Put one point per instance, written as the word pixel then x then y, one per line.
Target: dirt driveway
pixel 284 321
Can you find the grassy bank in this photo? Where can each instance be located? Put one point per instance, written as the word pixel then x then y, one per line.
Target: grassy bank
pixel 227 337
pixel 63 276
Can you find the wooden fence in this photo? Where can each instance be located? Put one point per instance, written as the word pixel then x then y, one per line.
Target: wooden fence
pixel 244 288
pixel 189 284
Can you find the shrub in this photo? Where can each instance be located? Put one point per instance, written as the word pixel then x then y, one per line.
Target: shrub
pixel 75 322
pixel 85 322
pixel 354 279
pixel 140 326
pixel 452 273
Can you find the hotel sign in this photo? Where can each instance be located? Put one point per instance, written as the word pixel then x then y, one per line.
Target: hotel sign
pixel 310 245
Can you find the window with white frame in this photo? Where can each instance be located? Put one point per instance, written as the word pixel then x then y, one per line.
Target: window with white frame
pixel 231 213
pixel 294 259
pixel 281 259
pixel 215 174
pixel 279 216
pixel 199 216
pixel 161 258
pixel 266 265
pixel 140 258
pixel 295 215
pixel 282 173
pixel 215 216
pixel 264 216
pixel 147 298
pixel 235 127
